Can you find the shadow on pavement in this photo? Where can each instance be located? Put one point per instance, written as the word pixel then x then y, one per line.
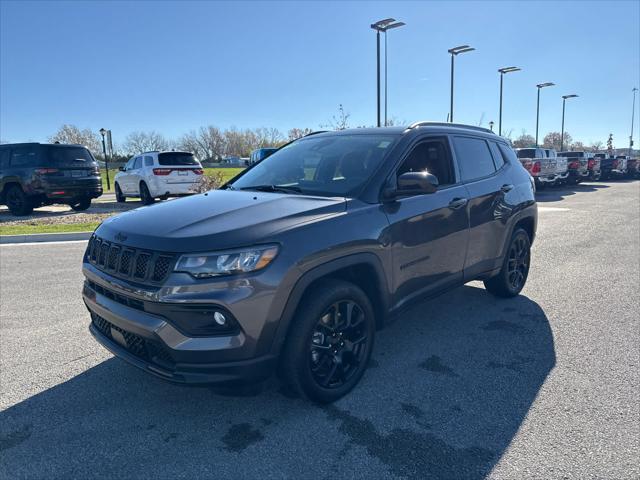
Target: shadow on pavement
pixel 554 194
pixel 449 386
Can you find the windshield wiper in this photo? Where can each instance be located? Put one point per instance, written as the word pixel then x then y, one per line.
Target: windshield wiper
pixel 274 188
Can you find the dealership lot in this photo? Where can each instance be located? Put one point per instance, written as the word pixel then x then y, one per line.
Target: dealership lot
pixel 544 385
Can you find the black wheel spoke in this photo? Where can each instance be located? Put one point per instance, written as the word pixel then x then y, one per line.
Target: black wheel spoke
pixel 338 344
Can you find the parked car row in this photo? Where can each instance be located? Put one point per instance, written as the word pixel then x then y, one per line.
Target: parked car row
pixel 550 168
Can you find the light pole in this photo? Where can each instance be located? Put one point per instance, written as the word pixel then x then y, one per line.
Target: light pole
pixel 633 113
pixel 382 26
pixel 540 85
pixel 491 125
pixel 502 72
pixel 564 100
pixel 455 51
pixel 103 132
pixel 388 27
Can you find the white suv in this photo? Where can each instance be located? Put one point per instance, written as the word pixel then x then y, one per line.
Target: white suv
pixel 158 174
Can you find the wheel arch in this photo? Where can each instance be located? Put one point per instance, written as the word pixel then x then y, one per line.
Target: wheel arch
pixel 363 270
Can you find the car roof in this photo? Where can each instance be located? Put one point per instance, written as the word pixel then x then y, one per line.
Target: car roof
pixel 435 127
pixel 43 144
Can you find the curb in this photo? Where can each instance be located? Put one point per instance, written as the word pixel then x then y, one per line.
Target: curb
pixel 45 237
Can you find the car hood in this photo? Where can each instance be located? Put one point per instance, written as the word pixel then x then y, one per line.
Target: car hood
pixel 216 220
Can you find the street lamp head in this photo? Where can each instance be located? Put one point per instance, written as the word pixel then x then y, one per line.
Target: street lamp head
pixel 569 96
pixel 509 69
pixel 547 84
pixel 460 49
pixel 491 124
pixel 635 89
pixel 103 132
pixel 380 25
pixel 393 25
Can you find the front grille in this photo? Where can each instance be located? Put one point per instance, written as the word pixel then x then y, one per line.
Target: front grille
pixel 129 263
pixel 135 344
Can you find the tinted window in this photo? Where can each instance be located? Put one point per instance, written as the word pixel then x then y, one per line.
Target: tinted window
pixel 526 153
pixel 176 158
pixel 329 165
pixel 23 157
pixel 432 157
pixel 148 161
pixel 497 156
pixel 474 158
pixel 508 154
pixel 77 156
pixel 138 163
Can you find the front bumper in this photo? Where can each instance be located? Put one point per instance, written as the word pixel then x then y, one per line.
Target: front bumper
pixel 125 326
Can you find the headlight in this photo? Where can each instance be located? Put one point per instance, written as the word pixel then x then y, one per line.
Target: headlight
pixel 204 265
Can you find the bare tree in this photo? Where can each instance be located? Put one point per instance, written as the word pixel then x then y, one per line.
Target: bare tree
pixel 597 146
pixel 524 140
pixel 578 146
pixel 137 142
pixel 552 140
pixel 339 122
pixel 71 134
pixel 296 133
pixel 207 144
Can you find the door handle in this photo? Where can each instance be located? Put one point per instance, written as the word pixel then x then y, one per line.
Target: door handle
pixel 507 187
pixel 457 203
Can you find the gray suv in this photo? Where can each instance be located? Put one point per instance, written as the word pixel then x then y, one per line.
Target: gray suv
pixel 295 264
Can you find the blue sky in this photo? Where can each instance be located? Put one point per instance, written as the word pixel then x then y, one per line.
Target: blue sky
pixel 175 66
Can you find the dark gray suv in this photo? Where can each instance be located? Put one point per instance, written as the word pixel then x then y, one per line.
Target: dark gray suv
pixel 296 263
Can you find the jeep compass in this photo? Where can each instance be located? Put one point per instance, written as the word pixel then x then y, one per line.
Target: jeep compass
pixel 295 264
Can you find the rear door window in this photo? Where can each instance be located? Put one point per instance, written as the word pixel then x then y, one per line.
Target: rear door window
pixel 474 158
pixel 138 163
pixel 24 157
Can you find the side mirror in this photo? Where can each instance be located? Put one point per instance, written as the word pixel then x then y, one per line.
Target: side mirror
pixel 417 183
pixel 121 169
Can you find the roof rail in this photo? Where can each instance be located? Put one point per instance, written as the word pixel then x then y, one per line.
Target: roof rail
pixel 446 124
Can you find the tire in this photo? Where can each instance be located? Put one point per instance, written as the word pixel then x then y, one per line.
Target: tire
pixel 81 204
pixel 120 198
pixel 17 201
pixel 145 195
pixel 515 268
pixel 324 372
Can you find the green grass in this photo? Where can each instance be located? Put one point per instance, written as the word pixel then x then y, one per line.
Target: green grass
pixel 227 173
pixel 54 228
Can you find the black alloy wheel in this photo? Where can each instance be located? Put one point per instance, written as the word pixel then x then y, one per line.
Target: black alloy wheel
pixel 120 198
pixel 81 204
pixel 329 343
pixel 145 195
pixel 515 268
pixel 17 201
pixel 338 344
pixel 518 263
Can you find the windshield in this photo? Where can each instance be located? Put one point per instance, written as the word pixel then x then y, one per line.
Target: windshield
pixel 76 156
pixel 176 158
pixel 337 165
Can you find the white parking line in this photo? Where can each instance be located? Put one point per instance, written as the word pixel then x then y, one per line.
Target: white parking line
pixel 62 242
pixel 552 209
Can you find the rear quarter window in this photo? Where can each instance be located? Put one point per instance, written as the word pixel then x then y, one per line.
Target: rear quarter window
pixel 24 157
pixel 474 158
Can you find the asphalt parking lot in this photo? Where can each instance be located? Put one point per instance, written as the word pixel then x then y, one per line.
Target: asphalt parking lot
pixel 545 385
